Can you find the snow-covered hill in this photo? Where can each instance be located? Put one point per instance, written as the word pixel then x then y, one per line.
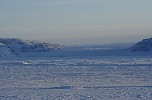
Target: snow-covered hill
pixel 6 53
pixel 143 46
pixel 12 46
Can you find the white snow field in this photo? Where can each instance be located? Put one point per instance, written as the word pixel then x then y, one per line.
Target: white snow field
pixel 97 78
pixel 86 74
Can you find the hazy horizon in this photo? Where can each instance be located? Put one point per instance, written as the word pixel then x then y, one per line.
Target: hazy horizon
pixel 75 22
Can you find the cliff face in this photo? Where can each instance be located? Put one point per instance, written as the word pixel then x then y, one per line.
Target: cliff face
pixel 143 46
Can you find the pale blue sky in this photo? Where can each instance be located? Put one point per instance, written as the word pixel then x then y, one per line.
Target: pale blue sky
pixel 77 21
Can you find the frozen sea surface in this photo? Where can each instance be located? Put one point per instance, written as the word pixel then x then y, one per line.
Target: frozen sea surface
pixel 77 78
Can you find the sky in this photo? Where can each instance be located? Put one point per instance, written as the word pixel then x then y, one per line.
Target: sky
pixel 76 21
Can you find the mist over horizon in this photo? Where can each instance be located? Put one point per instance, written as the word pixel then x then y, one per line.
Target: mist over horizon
pixel 83 42
pixel 75 49
pixel 76 22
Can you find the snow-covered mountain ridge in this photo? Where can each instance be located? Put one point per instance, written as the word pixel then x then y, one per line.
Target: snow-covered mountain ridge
pixel 16 45
pixel 143 46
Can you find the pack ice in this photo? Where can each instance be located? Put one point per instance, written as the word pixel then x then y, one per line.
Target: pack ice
pixel 32 70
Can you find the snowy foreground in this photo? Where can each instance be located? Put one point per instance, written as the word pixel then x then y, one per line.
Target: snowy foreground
pixel 86 78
